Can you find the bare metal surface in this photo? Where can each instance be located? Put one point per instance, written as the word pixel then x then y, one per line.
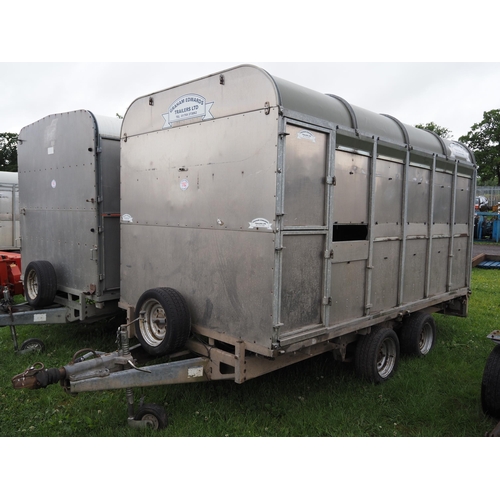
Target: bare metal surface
pixel 69 200
pixel 244 201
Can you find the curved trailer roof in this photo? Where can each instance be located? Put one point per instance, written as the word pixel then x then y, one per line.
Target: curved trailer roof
pixel 337 110
pixel 256 85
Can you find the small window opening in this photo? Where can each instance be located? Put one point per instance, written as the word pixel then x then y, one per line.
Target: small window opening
pixel 350 232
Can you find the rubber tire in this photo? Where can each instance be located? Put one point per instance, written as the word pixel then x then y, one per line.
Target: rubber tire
pixel 414 341
pixel 490 385
pixel 34 345
pixel 40 283
pixel 154 414
pixel 170 305
pixel 368 350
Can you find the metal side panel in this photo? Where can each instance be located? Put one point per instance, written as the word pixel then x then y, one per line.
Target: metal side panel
pixel 414 270
pixel 302 281
pixel 439 265
pixel 58 197
pixel 348 290
pixel 418 195
pixel 9 215
pixel 305 174
pixel 227 93
pixel 442 197
pixel 198 214
pixel 385 275
pixel 388 196
pixel 226 277
pixel 462 212
pixel 109 210
pixel 110 241
pixel 460 265
pixel 110 176
pixel 216 174
pixel 58 236
pixel 351 188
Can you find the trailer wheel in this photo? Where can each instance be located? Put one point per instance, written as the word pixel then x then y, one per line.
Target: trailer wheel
pixel 418 334
pixel 490 385
pixel 154 415
pixel 167 322
pixel 377 355
pixel 40 283
pixel 33 345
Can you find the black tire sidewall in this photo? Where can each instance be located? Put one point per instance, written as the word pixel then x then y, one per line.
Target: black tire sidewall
pixel 178 325
pixel 46 280
pixel 35 342
pixel 157 411
pixel 367 350
pixel 490 384
pixel 410 334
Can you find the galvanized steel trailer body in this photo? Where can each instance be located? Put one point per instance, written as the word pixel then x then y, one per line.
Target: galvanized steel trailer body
pixel 282 214
pixel 291 222
pixel 69 199
pixel 9 211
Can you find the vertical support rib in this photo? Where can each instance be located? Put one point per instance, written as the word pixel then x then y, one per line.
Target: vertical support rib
pixel 430 223
pixel 278 231
pixel 404 219
pixel 452 226
pixel 371 217
pixel 332 144
pixel 472 214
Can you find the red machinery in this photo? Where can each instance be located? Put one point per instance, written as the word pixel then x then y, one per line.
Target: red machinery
pixel 10 273
pixel 11 285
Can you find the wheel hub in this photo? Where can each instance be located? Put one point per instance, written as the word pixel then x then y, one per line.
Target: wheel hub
pixel 386 358
pixel 154 326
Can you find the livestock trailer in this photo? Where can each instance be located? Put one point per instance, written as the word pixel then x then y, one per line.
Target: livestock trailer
pixel 9 211
pixel 263 223
pixel 69 197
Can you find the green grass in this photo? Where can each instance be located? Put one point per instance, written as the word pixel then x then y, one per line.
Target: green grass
pixel 435 396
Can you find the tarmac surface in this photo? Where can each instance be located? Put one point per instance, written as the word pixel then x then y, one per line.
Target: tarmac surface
pixel 486 248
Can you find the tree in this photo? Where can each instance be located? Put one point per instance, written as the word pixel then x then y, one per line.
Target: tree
pixel 8 152
pixel 441 131
pixel 484 140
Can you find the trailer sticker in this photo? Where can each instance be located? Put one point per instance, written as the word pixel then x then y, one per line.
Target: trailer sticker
pixel 39 317
pixel 50 151
pixel 184 184
pixel 305 134
pixel 195 372
pixel 458 150
pixel 127 218
pixel 260 224
pixel 53 183
pixel 187 107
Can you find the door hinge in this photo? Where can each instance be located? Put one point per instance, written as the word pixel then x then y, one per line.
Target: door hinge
pixel 327 301
pixel 328 254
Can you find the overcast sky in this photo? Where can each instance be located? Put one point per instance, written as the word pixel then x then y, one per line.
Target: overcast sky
pixel 453 95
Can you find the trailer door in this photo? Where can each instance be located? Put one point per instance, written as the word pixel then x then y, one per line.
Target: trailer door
pixel 304 229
